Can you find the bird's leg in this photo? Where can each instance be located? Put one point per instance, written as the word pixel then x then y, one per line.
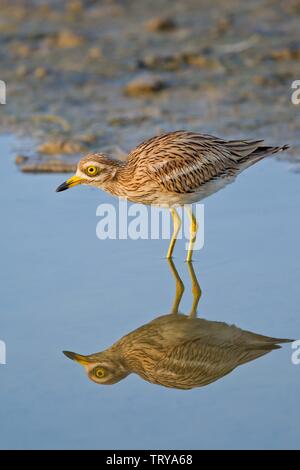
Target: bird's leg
pixel 196 290
pixel 177 225
pixel 193 232
pixel 179 287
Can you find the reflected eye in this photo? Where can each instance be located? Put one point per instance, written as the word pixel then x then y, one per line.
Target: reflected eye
pixel 99 372
pixel 92 170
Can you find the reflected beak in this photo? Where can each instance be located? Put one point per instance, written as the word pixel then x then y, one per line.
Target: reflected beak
pixel 83 360
pixel 73 181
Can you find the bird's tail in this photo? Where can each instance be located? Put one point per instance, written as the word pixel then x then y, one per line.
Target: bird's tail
pixel 248 152
pixel 259 345
pixel 262 152
pixel 257 340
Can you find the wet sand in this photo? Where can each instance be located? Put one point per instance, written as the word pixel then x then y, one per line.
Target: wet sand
pixel 85 75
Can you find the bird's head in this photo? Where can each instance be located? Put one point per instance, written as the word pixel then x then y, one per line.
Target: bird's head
pixel 94 170
pixel 100 367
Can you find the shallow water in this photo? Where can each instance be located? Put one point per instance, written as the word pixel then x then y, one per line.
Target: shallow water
pixel 62 288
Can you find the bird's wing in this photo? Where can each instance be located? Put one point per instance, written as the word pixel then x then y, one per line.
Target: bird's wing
pixel 197 363
pixel 182 161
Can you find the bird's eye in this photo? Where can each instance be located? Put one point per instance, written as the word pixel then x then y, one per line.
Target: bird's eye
pixel 92 170
pixel 99 372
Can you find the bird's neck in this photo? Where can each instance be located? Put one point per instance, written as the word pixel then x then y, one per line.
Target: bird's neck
pixel 120 184
pixel 140 350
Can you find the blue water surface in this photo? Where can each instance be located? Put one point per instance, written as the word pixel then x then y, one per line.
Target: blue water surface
pixel 62 288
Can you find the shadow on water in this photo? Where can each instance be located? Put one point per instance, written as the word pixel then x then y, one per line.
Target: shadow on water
pixel 177 350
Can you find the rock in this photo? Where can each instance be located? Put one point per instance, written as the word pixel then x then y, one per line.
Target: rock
pixel 160 24
pixel 122 121
pixel 161 62
pixel 40 72
pixel 143 85
pixel 272 79
pixel 21 50
pixel 22 71
pixel 68 39
pixel 291 52
pixel 50 166
pixel 95 53
pixel 87 138
pixel 223 25
pixel 20 159
pixel 61 146
pixel 75 7
pixel 202 60
pixel 199 60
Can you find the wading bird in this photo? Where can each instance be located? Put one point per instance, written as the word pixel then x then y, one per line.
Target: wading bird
pixel 171 170
pixel 176 350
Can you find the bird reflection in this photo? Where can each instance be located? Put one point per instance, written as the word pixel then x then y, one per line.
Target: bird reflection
pixel 176 350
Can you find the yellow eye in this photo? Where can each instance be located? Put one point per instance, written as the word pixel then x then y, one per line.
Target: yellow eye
pixel 99 372
pixel 92 170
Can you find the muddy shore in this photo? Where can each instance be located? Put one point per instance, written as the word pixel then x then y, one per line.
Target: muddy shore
pixel 87 75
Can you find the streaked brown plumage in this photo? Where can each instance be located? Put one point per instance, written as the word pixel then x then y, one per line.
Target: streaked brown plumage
pixel 178 351
pixel 172 170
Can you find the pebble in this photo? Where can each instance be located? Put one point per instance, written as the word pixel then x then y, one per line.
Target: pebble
pixel 68 39
pixel 48 167
pixel 145 84
pixel 160 24
pixel 95 53
pixel 20 159
pixel 61 146
pixel 287 53
pixel 40 72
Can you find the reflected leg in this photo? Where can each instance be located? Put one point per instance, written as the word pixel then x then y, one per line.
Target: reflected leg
pixel 179 287
pixel 196 289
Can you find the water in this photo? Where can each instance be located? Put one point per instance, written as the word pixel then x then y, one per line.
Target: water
pixel 62 288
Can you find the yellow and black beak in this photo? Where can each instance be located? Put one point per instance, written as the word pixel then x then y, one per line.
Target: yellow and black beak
pixel 83 360
pixel 73 181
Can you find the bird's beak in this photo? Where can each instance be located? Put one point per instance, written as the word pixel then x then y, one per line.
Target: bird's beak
pixel 73 181
pixel 83 360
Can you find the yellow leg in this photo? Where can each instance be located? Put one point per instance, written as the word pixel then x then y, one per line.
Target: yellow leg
pixel 179 287
pixel 193 233
pixel 196 289
pixel 177 225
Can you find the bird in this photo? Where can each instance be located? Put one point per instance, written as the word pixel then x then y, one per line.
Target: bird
pixel 172 170
pixel 177 350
